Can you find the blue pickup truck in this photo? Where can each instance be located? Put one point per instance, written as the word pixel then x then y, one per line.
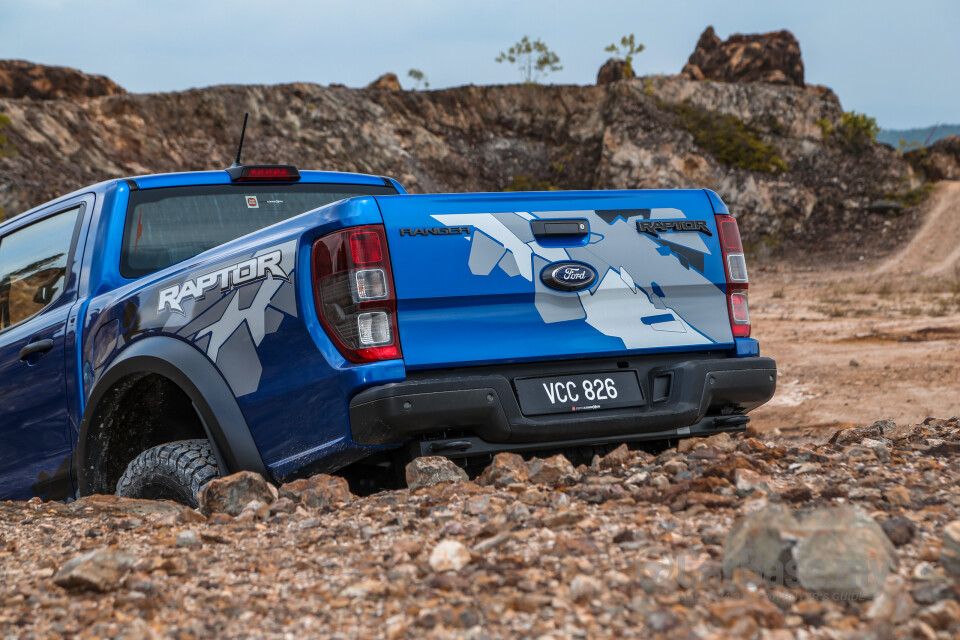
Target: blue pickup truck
pixel 159 331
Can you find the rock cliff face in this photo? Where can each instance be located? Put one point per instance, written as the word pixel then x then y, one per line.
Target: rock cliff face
pixel 655 132
pixel 22 79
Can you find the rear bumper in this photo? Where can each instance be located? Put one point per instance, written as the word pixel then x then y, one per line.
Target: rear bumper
pixel 680 392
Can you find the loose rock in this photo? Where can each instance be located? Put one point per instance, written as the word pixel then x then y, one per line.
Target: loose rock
pixel 616 458
pixel 555 471
pixel 942 616
pixel 834 550
pixel 188 539
pixel 432 470
pixel 856 435
pixel 231 494
pixel 584 588
pixel 894 605
pixel 950 555
pixel 505 469
pixel 449 555
pixel 897 496
pixel 747 481
pixel 900 530
pixel 319 491
pixel 101 570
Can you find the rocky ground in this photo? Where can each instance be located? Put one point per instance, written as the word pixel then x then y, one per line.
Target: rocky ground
pixel 725 537
pixel 807 526
pixel 695 542
pixel 675 545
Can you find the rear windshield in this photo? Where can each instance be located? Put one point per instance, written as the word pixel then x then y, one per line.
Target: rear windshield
pixel 167 226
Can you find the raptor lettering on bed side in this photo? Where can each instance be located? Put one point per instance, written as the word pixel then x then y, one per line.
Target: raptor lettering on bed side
pixel 229 327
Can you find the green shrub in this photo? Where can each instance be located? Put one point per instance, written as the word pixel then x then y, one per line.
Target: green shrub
pixel 7 148
pixel 763 247
pixel 775 125
pixel 910 197
pixel 529 183
pixel 858 130
pixel 825 128
pixel 914 145
pixel 533 59
pixel 626 49
pixel 727 138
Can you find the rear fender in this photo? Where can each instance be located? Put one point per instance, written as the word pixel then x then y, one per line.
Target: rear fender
pixel 189 369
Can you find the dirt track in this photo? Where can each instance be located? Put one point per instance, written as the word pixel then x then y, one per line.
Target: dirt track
pixel 935 250
pixel 878 341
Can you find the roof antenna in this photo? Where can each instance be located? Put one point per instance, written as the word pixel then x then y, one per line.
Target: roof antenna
pixel 243 131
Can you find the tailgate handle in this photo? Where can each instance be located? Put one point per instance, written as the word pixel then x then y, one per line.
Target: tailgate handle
pixel 567 228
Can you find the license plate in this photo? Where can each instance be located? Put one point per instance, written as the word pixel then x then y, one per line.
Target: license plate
pixel 579 392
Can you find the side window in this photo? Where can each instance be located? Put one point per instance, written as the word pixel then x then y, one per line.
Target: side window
pixel 33 266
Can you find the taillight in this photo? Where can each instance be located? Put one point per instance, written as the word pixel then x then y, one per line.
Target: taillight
pixel 735 267
pixel 354 294
pixel 264 173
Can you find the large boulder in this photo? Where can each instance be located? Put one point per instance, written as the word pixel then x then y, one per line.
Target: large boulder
pixel 831 551
pixel 768 57
pixel 22 79
pixel 386 82
pixel 611 71
pixel 939 161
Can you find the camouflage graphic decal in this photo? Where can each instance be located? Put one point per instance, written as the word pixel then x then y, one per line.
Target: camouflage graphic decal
pixel 254 294
pixel 624 287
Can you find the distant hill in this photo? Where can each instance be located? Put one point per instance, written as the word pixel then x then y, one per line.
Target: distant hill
pixel 660 132
pixel 918 136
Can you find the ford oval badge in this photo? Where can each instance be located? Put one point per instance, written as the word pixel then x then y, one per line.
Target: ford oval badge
pixel 568 276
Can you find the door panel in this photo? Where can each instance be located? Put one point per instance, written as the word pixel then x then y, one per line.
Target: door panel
pixel 35 450
pixel 36 295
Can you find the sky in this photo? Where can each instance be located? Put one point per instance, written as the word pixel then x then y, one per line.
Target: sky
pixel 896 61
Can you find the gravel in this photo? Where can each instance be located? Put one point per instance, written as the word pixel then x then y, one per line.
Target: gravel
pixel 622 548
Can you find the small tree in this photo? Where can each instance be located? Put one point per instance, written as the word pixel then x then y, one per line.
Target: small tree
pixel 420 79
pixel 626 50
pixel 533 59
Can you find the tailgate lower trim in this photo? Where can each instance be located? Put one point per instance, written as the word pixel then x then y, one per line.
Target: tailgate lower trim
pixel 486 403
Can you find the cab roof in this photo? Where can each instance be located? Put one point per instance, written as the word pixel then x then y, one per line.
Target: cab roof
pixel 200 178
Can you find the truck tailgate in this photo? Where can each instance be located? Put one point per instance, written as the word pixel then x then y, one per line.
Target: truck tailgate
pixel 487 278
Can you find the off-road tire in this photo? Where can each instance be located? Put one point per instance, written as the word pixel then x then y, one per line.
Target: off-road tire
pixel 173 471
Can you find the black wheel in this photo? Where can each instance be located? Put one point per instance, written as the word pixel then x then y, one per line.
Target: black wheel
pixel 173 471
